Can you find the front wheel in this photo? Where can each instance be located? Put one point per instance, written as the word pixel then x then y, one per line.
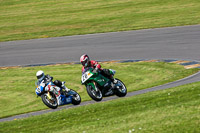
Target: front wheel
pixel 49 99
pixel 121 90
pixel 76 98
pixel 94 93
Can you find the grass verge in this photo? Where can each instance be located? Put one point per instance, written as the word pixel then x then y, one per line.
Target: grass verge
pixel 22 19
pixel 18 84
pixel 171 110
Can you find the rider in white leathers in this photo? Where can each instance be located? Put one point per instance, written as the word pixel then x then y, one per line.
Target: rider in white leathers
pixel 42 82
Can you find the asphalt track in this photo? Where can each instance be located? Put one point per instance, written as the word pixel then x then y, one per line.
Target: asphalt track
pixel 180 43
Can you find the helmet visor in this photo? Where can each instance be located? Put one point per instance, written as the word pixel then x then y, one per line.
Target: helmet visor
pixel 84 63
pixel 40 76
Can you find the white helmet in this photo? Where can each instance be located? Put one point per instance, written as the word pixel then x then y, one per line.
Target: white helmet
pixel 40 75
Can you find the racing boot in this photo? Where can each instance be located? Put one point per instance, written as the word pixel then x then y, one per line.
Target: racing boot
pixel 113 79
pixel 64 87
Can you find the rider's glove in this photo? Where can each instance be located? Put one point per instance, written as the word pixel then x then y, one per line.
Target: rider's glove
pixel 95 70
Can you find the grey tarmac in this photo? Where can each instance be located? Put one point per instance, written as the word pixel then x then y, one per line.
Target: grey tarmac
pixel 163 43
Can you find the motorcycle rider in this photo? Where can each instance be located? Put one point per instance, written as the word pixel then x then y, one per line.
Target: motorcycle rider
pixel 86 62
pixel 43 80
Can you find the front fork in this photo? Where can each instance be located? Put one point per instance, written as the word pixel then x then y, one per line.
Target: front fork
pixel 93 84
pixel 48 95
pixel 95 88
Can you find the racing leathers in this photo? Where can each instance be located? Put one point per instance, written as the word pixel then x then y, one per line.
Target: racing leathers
pixel 97 66
pixel 44 86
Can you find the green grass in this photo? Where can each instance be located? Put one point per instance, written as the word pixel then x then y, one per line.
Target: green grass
pixel 174 110
pixel 22 19
pixel 18 84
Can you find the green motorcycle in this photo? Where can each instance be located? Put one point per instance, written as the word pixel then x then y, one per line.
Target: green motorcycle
pixel 98 86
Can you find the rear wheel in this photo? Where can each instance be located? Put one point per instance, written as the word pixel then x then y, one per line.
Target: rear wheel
pixel 121 90
pixel 76 99
pixel 94 93
pixel 51 101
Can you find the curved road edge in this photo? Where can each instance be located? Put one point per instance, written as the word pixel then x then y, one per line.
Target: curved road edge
pixel 190 79
pixel 186 63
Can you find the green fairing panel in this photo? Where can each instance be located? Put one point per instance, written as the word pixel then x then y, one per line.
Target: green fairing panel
pixel 101 80
pixel 91 84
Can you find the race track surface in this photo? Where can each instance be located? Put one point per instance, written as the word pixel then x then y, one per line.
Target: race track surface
pixel 163 43
pixel 180 43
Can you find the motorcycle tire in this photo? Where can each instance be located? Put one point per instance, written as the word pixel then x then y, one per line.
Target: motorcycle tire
pixel 76 98
pixel 48 103
pixel 121 92
pixel 92 93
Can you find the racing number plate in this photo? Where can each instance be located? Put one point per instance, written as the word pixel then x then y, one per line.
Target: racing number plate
pixel 86 76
